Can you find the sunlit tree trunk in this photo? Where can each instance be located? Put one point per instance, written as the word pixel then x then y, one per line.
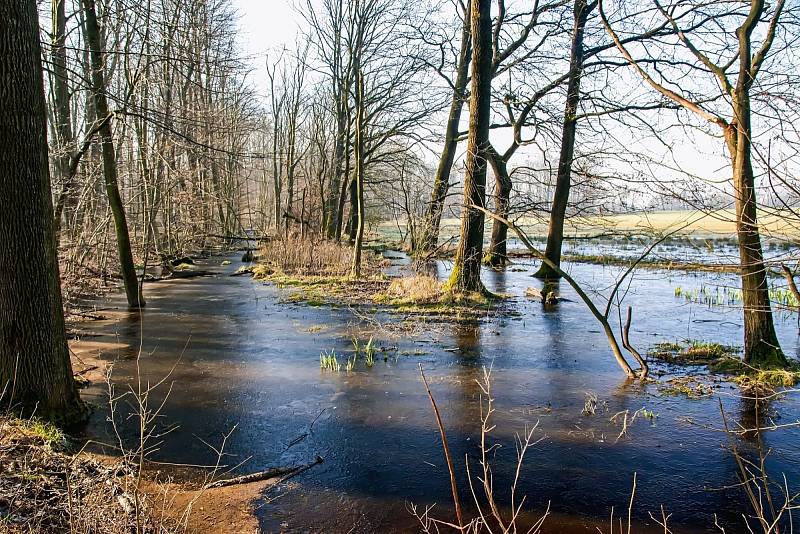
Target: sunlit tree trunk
pixel 127 267
pixel 466 274
pixel 35 371
pixel 761 346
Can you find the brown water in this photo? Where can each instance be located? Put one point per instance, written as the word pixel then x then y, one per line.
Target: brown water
pixel 247 360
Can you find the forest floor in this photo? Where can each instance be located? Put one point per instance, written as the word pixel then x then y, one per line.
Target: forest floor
pixel 52 483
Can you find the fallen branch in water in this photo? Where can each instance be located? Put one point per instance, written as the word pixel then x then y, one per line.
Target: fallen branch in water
pixel 284 472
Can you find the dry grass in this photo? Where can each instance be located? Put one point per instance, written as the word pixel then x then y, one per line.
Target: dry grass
pixel 296 256
pixel 44 488
pixel 419 289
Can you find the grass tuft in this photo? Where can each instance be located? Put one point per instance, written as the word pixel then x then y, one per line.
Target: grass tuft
pixel 329 362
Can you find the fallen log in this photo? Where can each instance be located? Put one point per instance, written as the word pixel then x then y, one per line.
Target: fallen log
pixel 188 273
pixel 283 472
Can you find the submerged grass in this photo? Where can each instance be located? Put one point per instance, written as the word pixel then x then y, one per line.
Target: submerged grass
pixel 716 296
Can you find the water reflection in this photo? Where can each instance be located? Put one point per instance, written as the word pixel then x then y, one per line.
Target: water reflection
pixel 254 362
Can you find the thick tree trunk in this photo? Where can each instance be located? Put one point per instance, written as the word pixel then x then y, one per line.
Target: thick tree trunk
pixel 558 210
pixel 497 255
pixel 35 371
pixel 761 346
pixel 135 299
pixel 466 274
pixel 441 183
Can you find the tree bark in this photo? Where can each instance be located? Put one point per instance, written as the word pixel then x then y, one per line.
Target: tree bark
pixel 429 239
pixel 558 210
pixel 761 346
pixel 355 272
pixel 497 255
pixel 466 274
pixel 135 299
pixel 35 371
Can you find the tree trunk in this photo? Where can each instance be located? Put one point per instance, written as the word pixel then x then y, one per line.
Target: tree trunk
pixel 347 191
pixel 35 371
pixel 135 299
pixel 352 221
pixel 65 138
pixel 761 346
pixel 466 274
pixel 441 182
pixel 558 210
pixel 355 272
pixel 337 174
pixel 497 255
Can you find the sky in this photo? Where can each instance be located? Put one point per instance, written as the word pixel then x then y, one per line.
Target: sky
pixel 265 25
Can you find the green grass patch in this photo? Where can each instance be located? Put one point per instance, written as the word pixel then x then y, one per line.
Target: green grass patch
pixel 692 352
pixel 688 386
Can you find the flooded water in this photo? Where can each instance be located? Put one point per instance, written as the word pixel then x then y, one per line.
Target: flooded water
pixel 245 359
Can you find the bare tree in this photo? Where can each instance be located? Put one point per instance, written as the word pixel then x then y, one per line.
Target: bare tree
pixel 132 287
pixel 761 345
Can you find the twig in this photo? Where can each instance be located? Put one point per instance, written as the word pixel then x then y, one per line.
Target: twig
pixel 453 485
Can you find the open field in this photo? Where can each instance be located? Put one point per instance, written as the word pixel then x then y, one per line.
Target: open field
pixel 690 223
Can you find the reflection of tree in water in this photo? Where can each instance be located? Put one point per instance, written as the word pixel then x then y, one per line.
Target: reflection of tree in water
pixel 130 331
pixel 496 280
pixel 769 500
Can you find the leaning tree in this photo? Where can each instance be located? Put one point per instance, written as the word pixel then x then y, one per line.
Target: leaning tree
pixel 35 371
